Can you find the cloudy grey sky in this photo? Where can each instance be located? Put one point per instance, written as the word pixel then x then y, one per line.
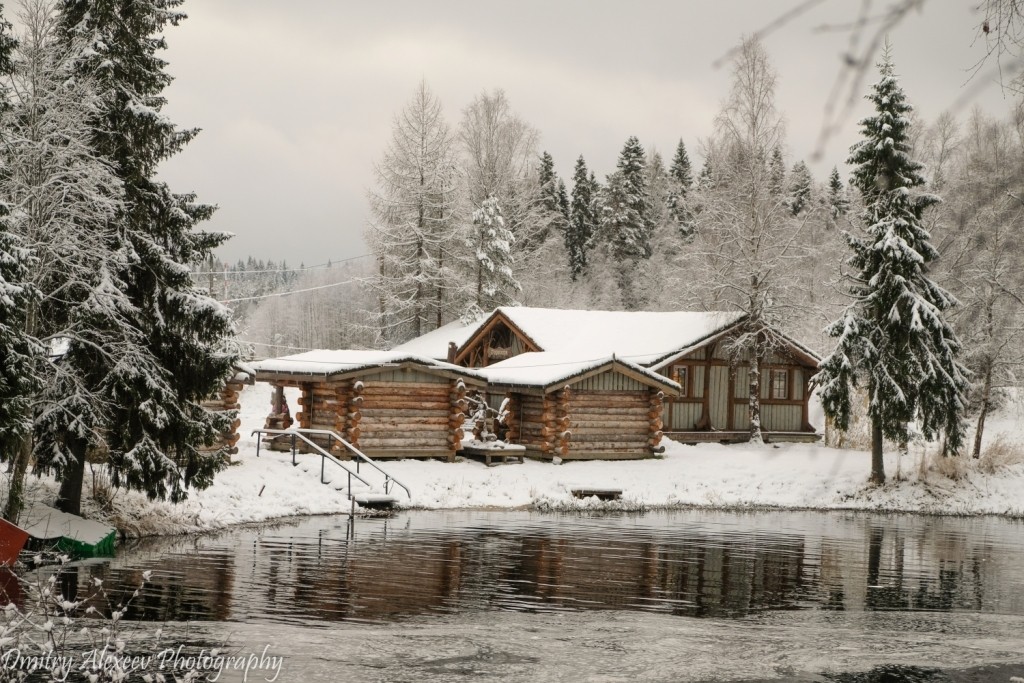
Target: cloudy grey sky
pixel 296 99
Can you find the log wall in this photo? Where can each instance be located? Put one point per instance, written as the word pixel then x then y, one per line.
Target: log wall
pixel 405 414
pixel 226 400
pixel 589 420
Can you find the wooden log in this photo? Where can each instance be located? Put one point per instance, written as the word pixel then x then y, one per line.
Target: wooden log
pixel 412 442
pixel 440 391
pixel 398 403
pixel 377 386
pixel 635 439
pixel 600 446
pixel 375 413
pixel 624 424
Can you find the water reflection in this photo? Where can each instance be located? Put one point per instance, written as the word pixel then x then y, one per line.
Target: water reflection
pixel 692 564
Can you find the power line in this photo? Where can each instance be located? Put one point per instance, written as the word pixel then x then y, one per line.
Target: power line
pixel 279 270
pixel 292 291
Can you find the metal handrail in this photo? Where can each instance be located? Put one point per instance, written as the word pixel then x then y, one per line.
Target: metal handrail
pixel 324 455
pixel 362 457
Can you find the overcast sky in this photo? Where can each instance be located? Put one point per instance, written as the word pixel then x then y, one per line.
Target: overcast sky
pixel 296 99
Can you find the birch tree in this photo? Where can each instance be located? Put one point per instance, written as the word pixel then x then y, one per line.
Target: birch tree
pixel 62 201
pixel 499 152
pixel 746 245
pixel 157 428
pixel 983 222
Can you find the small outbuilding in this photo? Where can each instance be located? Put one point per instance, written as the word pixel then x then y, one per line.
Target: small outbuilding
pixel 690 348
pixel 560 406
pixel 387 404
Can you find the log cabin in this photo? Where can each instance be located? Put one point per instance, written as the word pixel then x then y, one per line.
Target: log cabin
pixel 598 409
pixel 227 399
pixel 387 404
pixel 690 348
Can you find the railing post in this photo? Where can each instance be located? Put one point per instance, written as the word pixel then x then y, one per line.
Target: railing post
pixel 323 461
pixel 293 451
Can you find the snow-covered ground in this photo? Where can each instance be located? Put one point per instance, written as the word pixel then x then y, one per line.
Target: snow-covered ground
pixel 711 475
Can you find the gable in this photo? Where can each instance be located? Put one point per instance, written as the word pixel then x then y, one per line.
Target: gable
pixel 497 339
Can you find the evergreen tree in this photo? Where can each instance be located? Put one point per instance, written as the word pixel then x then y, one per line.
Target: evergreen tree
pixel 838 203
pixel 157 424
pixel 552 191
pixel 582 226
pixel 492 247
pixel 548 181
pixel 776 174
pixel 894 338
pixel 563 201
pixel 19 352
pixel 681 171
pixel 625 221
pixel 706 179
pixel 800 186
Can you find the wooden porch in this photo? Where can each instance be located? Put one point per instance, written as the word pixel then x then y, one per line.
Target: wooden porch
pixel 741 436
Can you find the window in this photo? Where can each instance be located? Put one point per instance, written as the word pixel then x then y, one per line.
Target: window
pixel 680 377
pixel 780 384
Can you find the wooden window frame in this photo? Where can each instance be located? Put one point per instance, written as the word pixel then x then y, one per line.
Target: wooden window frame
pixel 773 375
pixel 682 378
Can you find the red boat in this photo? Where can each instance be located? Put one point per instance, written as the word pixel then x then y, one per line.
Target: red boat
pixel 12 540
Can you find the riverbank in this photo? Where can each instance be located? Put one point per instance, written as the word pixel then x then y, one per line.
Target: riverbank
pixel 792 476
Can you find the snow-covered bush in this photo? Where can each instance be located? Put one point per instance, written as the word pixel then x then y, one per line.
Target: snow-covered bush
pixel 46 635
pixel 1001 452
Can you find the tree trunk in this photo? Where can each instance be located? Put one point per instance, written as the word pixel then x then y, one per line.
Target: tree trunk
pixel 70 497
pixel 16 490
pixel 877 463
pixel 986 399
pixel 754 375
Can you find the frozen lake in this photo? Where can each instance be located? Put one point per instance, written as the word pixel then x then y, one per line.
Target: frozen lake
pixel 668 596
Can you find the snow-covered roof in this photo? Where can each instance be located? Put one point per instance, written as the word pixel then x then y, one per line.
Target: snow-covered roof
pixel 548 368
pixel 642 337
pixel 435 344
pixel 327 362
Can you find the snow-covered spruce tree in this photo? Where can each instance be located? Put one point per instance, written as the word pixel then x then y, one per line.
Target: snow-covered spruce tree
pixel 681 175
pixel 800 187
pixel 491 244
pixel 625 220
pixel 20 356
pixel 893 338
pixel 413 224
pixel 156 425
pixel 579 234
pixel 837 201
pixel 552 195
pixel 777 173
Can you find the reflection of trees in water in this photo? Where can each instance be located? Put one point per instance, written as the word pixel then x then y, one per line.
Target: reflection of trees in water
pixel 385 576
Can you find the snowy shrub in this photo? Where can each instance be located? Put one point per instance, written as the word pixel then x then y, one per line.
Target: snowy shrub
pixel 951 467
pixel 1000 453
pixel 48 635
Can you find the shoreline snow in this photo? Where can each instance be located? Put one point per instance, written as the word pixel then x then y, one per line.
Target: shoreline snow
pixel 712 476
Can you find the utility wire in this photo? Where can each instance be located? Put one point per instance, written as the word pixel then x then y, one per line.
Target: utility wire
pixel 292 291
pixel 280 270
